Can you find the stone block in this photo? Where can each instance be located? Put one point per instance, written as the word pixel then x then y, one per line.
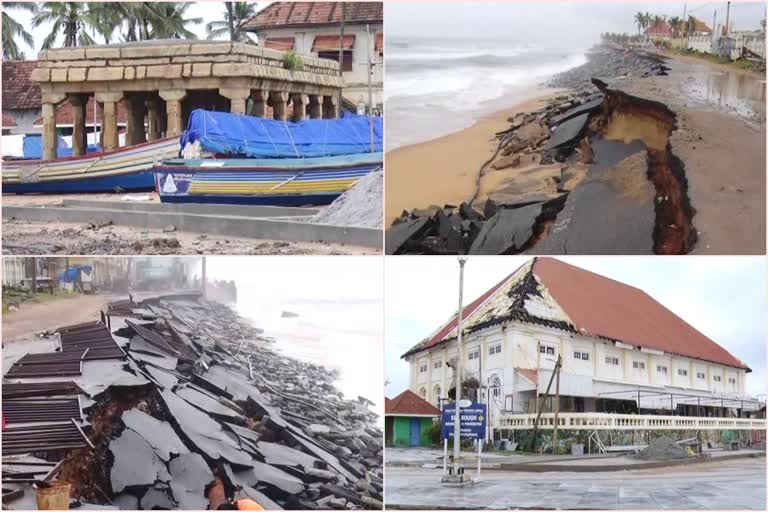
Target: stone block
pixel 156 61
pixel 269 53
pixel 186 70
pixel 201 69
pixel 58 75
pixel 231 69
pixel 169 71
pixel 210 48
pixel 102 53
pixel 41 75
pixel 105 74
pixel 248 49
pixel 129 73
pixel 76 75
pixel 144 52
pixel 66 54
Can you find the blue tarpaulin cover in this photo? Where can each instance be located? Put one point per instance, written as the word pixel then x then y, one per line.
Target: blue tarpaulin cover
pixel 33 147
pixel 237 135
pixel 70 275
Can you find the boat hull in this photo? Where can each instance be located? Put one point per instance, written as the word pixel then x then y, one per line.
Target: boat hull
pixel 281 182
pixel 126 169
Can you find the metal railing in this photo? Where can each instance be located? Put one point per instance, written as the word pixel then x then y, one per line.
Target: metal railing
pixel 607 421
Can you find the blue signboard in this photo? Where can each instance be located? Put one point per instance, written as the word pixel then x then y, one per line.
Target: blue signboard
pixel 472 421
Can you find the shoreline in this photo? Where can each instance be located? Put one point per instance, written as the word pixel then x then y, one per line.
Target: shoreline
pixel 445 170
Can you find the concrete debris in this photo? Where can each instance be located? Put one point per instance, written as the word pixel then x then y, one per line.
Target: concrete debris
pixel 359 206
pixel 200 408
pixel 663 448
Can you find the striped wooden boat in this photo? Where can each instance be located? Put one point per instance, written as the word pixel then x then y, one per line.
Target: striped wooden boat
pixel 281 181
pixel 128 168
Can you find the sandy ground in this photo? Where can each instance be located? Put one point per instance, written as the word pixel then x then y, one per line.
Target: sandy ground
pixel 24 237
pixel 35 317
pixel 445 170
pixel 721 140
pixel 58 199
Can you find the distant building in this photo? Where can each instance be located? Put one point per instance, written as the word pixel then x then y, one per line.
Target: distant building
pixel 407 419
pixel 660 29
pixel 21 98
pixel 313 28
pixel 621 351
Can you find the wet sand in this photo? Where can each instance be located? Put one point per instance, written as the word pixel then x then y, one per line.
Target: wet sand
pixel 445 170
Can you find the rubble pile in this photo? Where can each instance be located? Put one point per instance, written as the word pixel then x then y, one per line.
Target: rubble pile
pixel 589 142
pixel 359 206
pixel 200 410
pixel 663 448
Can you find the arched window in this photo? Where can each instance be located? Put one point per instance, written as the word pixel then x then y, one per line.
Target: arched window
pixel 423 393
pixel 437 395
pixel 495 385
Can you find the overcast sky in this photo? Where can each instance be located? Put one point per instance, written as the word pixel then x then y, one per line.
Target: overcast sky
pixel 208 11
pixel 723 297
pixel 559 22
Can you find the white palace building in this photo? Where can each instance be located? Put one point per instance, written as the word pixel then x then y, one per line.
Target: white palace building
pixel 627 361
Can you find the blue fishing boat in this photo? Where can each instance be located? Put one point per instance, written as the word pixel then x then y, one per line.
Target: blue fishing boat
pixel 124 169
pixel 275 181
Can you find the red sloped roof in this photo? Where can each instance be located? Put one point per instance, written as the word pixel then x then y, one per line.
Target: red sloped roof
pixel 331 42
pixel 8 121
pixel 282 14
pixel 531 374
pixel 379 41
pixel 660 29
pixel 604 307
pixel 65 114
pixel 20 92
pixel 409 403
pixel 280 43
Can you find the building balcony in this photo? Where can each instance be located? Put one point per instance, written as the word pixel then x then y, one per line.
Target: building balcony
pixel 608 421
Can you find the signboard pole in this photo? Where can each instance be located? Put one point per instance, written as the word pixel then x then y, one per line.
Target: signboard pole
pixel 479 451
pixel 445 455
pixel 459 361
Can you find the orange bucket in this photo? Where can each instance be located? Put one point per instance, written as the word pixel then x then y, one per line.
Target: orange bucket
pixel 55 496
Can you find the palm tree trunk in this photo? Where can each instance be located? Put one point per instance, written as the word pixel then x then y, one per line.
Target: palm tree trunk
pixel 231 21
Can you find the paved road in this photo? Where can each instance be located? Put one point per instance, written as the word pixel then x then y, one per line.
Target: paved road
pixel 733 485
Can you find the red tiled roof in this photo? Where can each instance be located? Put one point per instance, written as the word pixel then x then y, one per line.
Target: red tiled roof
pixel 331 42
pixel 408 403
pixel 379 41
pixel 280 43
pixel 700 26
pixel 65 114
pixel 602 307
pixel 283 14
pixel 659 29
pixel 8 121
pixel 19 91
pixel 529 373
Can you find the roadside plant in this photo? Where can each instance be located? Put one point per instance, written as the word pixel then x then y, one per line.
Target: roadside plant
pixel 292 61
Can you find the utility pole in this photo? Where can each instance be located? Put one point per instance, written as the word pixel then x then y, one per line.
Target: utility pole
pixel 728 20
pixel 685 20
pixel 369 69
pixel 204 281
pixel 557 403
pixel 34 275
pixel 341 49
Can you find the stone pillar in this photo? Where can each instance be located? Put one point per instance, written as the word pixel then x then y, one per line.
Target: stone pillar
pixel 174 121
pixel 79 133
pixel 299 102
pixel 110 99
pixel 134 131
pixel 279 100
pixel 153 118
pixel 315 106
pixel 237 98
pixel 330 107
pixel 50 137
pixel 260 99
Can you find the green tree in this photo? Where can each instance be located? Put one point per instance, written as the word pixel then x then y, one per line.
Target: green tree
pixel 13 29
pixel 157 20
pixel 69 19
pixel 236 14
pixel 104 18
pixel 675 24
pixel 640 21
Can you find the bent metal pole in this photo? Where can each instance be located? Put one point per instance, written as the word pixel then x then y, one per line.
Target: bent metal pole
pixel 459 358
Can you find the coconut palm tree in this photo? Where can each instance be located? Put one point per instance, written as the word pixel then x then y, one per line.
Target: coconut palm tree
pixel 104 18
pixel 640 21
pixel 68 19
pixel 675 23
pixel 235 16
pixel 12 29
pixel 156 20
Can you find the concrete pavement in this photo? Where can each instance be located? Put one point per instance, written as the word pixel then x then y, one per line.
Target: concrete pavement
pixel 732 485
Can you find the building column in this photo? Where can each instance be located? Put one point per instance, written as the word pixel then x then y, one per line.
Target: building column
pixel 279 109
pixel 109 125
pixel 260 98
pixel 50 137
pixel 315 106
pixel 299 102
pixel 173 99
pixel 152 105
pixel 330 107
pixel 237 98
pixel 134 131
pixel 79 134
